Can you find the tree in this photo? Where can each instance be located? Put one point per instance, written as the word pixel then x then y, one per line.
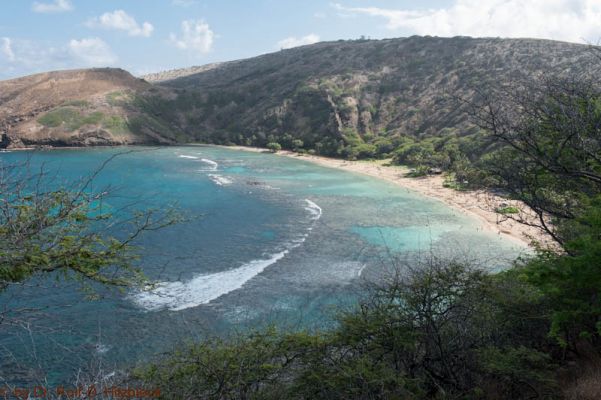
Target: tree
pixel 439 330
pixel 44 229
pixel 420 155
pixel 274 147
pixel 250 366
pixel 383 145
pixel 570 284
pixel 548 135
pixel 297 144
pixel 548 138
pixel 51 230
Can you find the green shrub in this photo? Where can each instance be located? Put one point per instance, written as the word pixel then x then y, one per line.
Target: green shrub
pixel 443 331
pixel 451 182
pixel 383 145
pixel 116 124
pixel 56 118
pixel 70 118
pixel 77 103
pixel 507 210
pixel 297 144
pixel 274 147
pixel 90 119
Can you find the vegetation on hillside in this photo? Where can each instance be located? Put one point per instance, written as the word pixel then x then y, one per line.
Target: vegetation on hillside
pixel 394 98
pixel 73 117
pixel 70 108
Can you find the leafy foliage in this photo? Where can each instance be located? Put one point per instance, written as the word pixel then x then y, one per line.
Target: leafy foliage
pixel 116 124
pixel 432 334
pixel 571 284
pixel 44 230
pixel 508 210
pixel 239 368
pixel 550 157
pixel 274 147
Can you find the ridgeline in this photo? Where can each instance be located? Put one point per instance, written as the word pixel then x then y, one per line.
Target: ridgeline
pixel 352 99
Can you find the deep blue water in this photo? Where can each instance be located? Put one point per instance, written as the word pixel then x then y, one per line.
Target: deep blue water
pixel 267 239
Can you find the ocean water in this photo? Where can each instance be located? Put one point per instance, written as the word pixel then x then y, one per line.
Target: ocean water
pixel 267 240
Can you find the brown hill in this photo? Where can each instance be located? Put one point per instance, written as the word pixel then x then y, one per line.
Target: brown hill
pixel 73 108
pixel 347 98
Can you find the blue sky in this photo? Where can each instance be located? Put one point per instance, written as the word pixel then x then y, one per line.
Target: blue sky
pixel 152 35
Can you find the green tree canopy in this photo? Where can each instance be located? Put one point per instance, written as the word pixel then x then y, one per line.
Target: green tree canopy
pixel 46 229
pixel 274 147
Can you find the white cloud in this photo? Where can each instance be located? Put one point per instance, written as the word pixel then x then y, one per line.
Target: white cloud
pixel 569 20
pixel 295 42
pixel 20 57
pixel 196 36
pixel 91 52
pixel 7 50
pixel 57 6
pixel 25 57
pixel 120 20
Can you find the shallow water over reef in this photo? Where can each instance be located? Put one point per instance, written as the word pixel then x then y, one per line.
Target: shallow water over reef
pixel 267 239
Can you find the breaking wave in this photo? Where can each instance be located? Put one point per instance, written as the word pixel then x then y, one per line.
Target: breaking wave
pixel 314 209
pixel 212 164
pixel 203 289
pixel 220 180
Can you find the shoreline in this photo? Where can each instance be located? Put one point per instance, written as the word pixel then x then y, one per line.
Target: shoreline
pixel 479 204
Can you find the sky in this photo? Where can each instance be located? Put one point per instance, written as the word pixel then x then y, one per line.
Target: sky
pixel 144 36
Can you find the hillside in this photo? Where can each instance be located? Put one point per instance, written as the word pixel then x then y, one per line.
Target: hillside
pixel 351 99
pixel 74 108
pixel 334 95
pixel 172 74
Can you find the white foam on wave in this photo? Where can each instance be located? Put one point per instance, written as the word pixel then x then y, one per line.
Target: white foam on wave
pixel 178 296
pixel 314 209
pixel 203 289
pixel 220 180
pixel 212 164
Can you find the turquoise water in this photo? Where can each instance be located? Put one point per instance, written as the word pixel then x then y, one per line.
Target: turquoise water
pixel 267 239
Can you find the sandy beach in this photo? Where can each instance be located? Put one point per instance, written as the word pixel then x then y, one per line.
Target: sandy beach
pixel 478 203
